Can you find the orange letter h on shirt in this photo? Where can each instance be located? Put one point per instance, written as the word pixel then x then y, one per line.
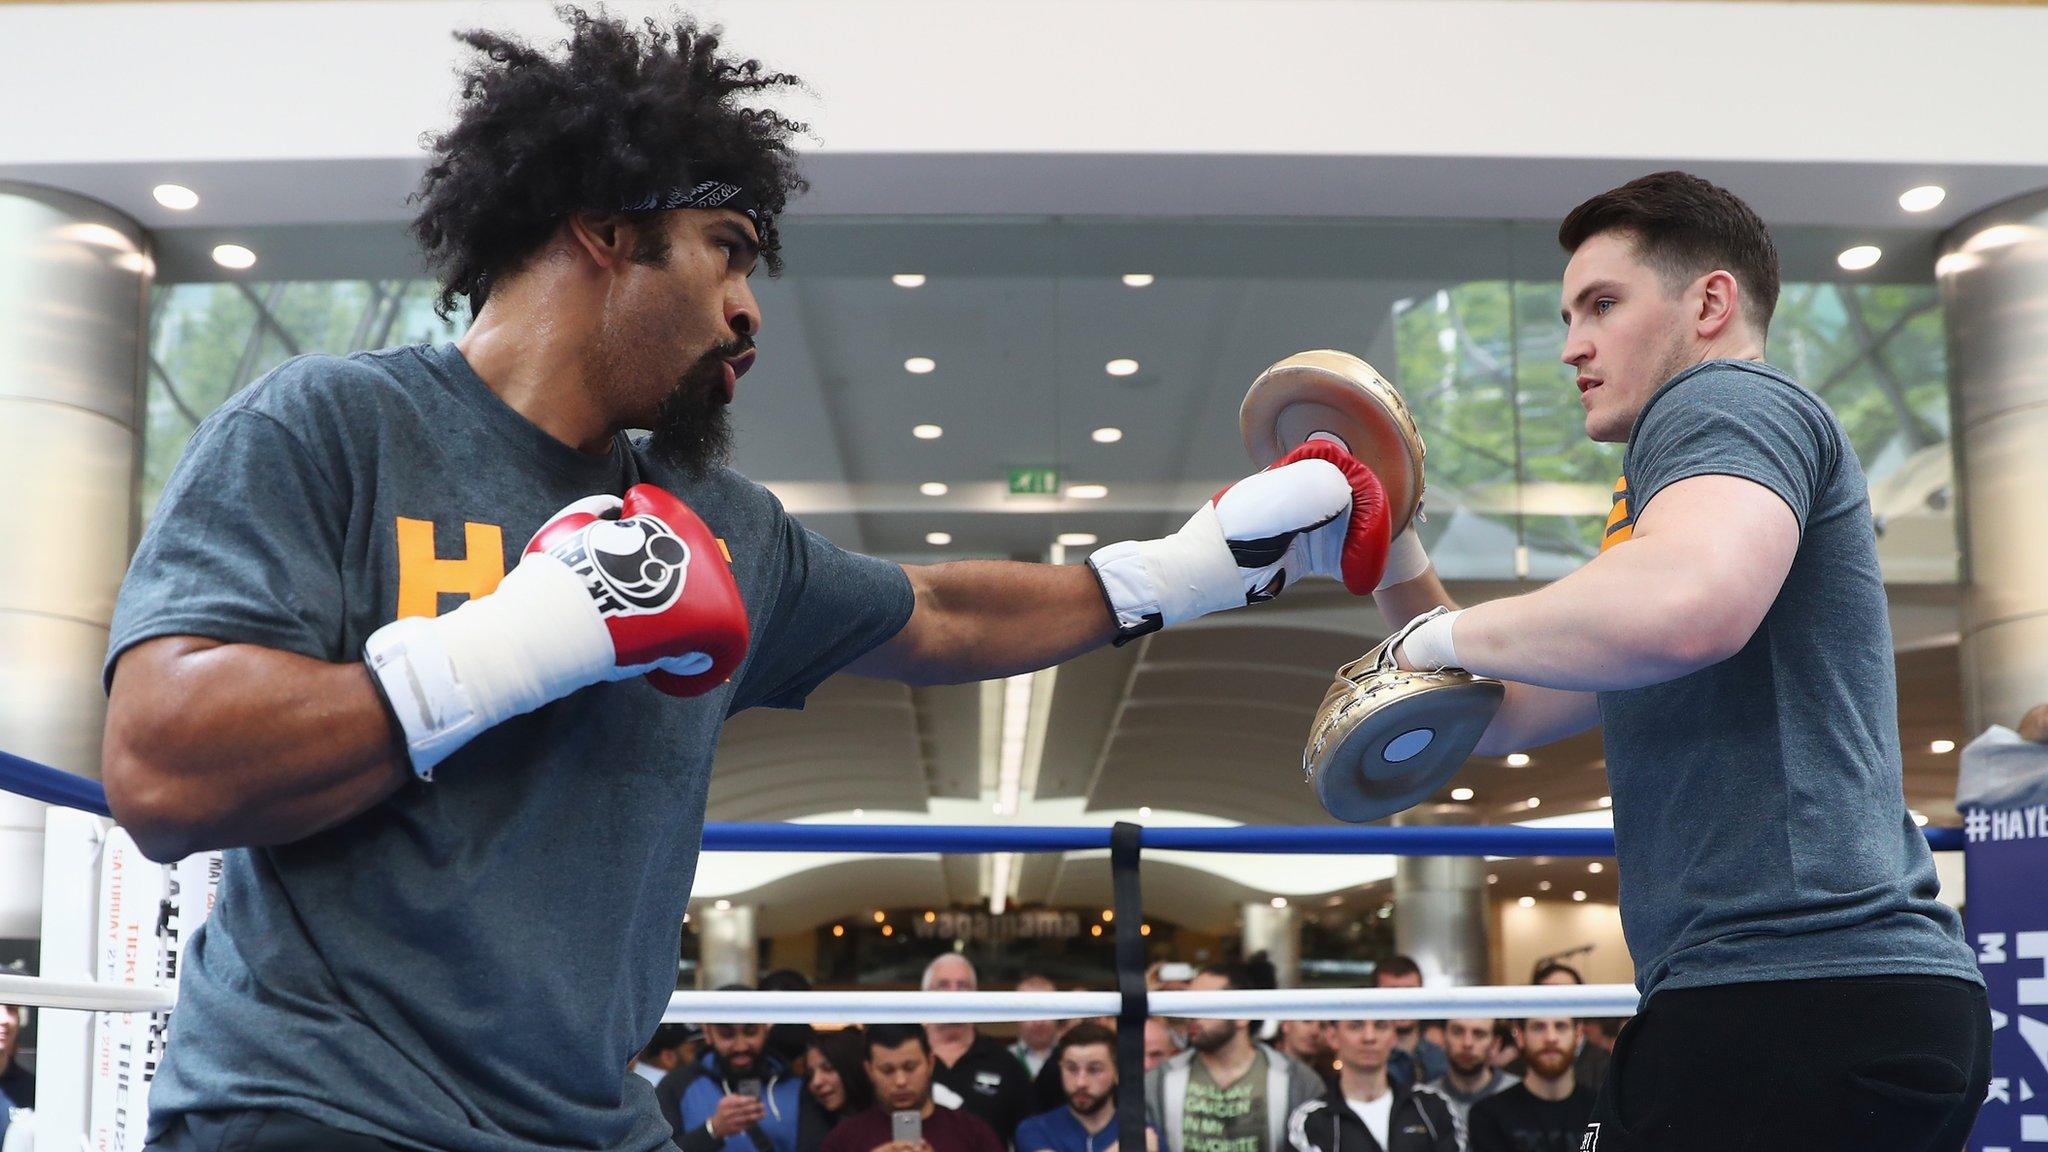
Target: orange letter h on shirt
pixel 423 576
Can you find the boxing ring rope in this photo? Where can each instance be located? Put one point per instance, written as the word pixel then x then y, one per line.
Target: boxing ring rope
pixel 989 1007
pixel 80 1083
pixel 40 782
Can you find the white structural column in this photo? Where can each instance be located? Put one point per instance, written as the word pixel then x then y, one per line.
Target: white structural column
pixel 728 945
pixel 1440 910
pixel 1993 273
pixel 1277 933
pixel 74 279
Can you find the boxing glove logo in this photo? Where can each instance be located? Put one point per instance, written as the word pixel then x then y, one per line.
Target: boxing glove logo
pixel 635 566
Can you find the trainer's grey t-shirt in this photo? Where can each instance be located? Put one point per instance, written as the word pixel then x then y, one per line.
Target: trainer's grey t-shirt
pixel 1760 821
pixel 471 963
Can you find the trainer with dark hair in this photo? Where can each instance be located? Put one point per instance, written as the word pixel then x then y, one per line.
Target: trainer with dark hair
pixel 439 651
pixel 1733 638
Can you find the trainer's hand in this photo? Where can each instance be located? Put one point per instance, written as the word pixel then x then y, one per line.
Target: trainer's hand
pixel 1315 511
pixel 734 1115
pixel 1425 643
pixel 608 589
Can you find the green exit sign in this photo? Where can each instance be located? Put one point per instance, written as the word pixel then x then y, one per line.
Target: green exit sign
pixel 1034 481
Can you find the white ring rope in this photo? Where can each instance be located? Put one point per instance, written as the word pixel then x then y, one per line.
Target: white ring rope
pixel 1279 1004
pixel 84 995
pixel 988 1007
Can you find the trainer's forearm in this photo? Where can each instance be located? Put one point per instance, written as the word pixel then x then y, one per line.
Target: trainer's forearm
pixel 214 745
pixel 981 619
pixel 1635 616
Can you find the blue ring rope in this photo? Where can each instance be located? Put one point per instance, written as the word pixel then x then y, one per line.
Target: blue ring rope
pixel 41 782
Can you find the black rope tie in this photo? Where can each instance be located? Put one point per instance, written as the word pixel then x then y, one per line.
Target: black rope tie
pixel 1130 982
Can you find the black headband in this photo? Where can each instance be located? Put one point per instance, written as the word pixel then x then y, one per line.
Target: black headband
pixel 703 194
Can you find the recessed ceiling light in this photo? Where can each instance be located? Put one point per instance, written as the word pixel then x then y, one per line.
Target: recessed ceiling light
pixel 927 431
pixel 176 197
pixel 1077 539
pixel 1279 901
pixel 1942 747
pixel 1534 802
pixel 1543 886
pixel 1518 759
pixel 234 256
pixel 1137 279
pixel 908 279
pixel 939 539
pixel 1923 198
pixel 1606 801
pixel 858 812
pixel 919 365
pixel 932 488
pixel 1579 896
pixel 1860 257
pixel 1145 810
pixel 1461 793
pixel 1527 901
pixel 723 905
pixel 1920 819
pixel 1596 868
pixel 1106 435
pixel 1493 878
pixel 1121 366
pixel 1087 491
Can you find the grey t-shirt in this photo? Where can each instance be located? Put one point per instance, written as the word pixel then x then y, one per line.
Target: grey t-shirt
pixel 1760 820
pixel 471 963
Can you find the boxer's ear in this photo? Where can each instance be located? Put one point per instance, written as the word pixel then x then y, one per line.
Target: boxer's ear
pixel 606 239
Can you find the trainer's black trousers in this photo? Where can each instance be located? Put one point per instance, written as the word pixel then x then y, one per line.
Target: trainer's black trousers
pixel 1868 1064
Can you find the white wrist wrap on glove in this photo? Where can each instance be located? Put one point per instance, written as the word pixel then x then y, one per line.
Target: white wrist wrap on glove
pixel 1428 647
pixel 1179 577
pixel 1405 560
pixel 536 638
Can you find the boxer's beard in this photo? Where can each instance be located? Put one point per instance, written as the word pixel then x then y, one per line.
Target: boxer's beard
pixel 692 427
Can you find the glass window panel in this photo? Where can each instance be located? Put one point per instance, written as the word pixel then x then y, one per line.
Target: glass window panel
pixel 1024 314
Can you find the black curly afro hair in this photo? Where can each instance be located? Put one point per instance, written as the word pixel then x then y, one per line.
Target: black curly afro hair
pixel 623 113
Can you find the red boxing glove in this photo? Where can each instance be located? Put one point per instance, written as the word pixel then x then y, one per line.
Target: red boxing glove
pixel 1360 546
pixel 661 584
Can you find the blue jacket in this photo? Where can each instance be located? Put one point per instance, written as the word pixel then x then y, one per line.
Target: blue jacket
pixel 780 1096
pixel 1060 1131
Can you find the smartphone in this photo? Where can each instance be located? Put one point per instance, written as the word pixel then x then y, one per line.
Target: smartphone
pixel 748 1087
pixel 906 1127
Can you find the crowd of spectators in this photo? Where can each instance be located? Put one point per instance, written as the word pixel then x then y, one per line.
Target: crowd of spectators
pixel 1462 1085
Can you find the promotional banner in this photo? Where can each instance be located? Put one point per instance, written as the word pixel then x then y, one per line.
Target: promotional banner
pixel 2002 792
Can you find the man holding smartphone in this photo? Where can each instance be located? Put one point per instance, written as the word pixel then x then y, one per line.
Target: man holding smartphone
pixel 737 1098
pixel 904 1118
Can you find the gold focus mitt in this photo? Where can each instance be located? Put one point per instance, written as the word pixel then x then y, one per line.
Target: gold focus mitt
pixel 1384 739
